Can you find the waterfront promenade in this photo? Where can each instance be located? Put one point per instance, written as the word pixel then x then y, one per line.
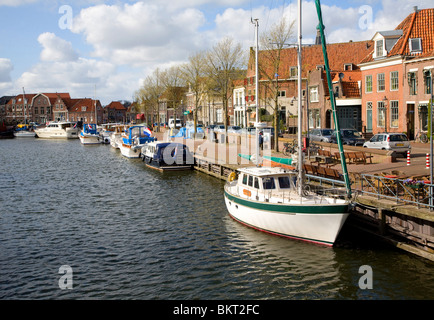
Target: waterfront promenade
pixel 228 154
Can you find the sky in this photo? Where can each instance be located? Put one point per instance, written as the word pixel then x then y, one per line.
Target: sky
pixel 105 49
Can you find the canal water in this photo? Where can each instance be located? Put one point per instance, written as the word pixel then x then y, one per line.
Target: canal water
pixel 103 226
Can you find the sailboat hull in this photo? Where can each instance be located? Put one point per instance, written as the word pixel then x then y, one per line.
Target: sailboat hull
pixel 317 223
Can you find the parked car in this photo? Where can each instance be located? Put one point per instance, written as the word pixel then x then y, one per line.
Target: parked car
pixel 234 129
pixel 397 142
pixel 348 136
pixel 219 128
pixel 321 135
pixel 210 127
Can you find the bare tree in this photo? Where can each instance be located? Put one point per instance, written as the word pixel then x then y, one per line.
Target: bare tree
pixel 174 87
pixel 148 95
pixel 194 75
pixel 269 66
pixel 225 62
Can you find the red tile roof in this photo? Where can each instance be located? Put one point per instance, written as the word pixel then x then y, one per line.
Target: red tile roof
pixel 312 56
pixel 117 105
pixel 419 24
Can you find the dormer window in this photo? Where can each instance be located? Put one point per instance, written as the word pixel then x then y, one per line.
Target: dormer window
pixel 379 48
pixel 415 45
pixel 293 72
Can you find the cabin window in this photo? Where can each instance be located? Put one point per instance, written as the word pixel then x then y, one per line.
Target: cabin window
pixel 256 183
pixel 244 178
pixel 284 183
pixel 250 181
pixel 268 183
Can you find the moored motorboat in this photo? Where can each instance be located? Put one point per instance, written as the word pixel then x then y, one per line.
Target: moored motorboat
pixel 276 200
pixel 134 139
pixel 24 131
pixel 89 134
pixel 58 130
pixel 267 199
pixel 116 136
pixel 107 129
pixel 167 156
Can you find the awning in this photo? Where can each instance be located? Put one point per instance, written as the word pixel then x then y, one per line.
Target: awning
pixel 140 116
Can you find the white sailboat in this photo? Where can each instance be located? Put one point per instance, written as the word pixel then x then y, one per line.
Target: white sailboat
pixel 24 131
pixel 276 201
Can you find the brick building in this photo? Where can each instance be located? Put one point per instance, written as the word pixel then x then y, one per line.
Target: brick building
pixel 391 75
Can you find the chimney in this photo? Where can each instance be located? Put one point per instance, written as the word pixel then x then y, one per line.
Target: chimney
pixel 318 37
pixel 415 9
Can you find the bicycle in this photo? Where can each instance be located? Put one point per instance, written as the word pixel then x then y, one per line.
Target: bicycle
pixel 422 137
pixel 289 148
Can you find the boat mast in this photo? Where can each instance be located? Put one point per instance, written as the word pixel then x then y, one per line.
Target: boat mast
pixel 256 22
pixel 24 106
pixel 332 99
pixel 300 107
pixel 94 102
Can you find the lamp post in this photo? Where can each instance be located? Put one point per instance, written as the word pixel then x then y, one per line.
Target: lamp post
pixel 431 143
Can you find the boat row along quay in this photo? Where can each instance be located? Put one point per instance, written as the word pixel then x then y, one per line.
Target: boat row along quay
pixel 391 196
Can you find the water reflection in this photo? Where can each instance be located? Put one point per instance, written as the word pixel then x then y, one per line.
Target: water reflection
pixel 130 232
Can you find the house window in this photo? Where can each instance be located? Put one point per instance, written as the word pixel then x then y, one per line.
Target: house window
pixel 282 93
pixel 394 80
pixel 394 113
pixel 348 66
pixel 381 114
pixel 379 47
pixel 293 73
pixel 381 84
pixel 412 82
pixel 368 83
pixel 427 78
pixel 415 45
pixel 83 109
pixel 314 94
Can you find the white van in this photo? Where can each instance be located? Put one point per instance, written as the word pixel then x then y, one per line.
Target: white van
pixel 175 123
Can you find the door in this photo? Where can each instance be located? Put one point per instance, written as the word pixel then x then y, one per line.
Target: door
pixel 410 121
pixel 369 117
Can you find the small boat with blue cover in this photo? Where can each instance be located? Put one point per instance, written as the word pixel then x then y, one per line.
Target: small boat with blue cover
pixel 167 156
pixel 134 139
pixel 89 134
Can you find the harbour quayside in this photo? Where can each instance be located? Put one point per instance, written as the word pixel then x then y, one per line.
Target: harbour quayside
pixel 276 200
pixel 167 156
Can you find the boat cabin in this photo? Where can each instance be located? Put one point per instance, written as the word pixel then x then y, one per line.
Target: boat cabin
pixel 90 128
pixel 266 180
pixel 136 135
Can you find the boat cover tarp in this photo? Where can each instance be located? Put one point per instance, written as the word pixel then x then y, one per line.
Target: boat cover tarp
pixel 187 133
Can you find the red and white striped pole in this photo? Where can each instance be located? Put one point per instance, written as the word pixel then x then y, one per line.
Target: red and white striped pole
pixel 408 158
pixel 427 161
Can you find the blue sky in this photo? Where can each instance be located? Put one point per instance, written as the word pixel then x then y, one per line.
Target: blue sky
pixel 114 45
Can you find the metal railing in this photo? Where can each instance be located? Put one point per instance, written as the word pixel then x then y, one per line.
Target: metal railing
pixel 401 191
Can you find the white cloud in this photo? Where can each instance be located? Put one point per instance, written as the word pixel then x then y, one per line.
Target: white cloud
pixel 55 48
pixel 139 33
